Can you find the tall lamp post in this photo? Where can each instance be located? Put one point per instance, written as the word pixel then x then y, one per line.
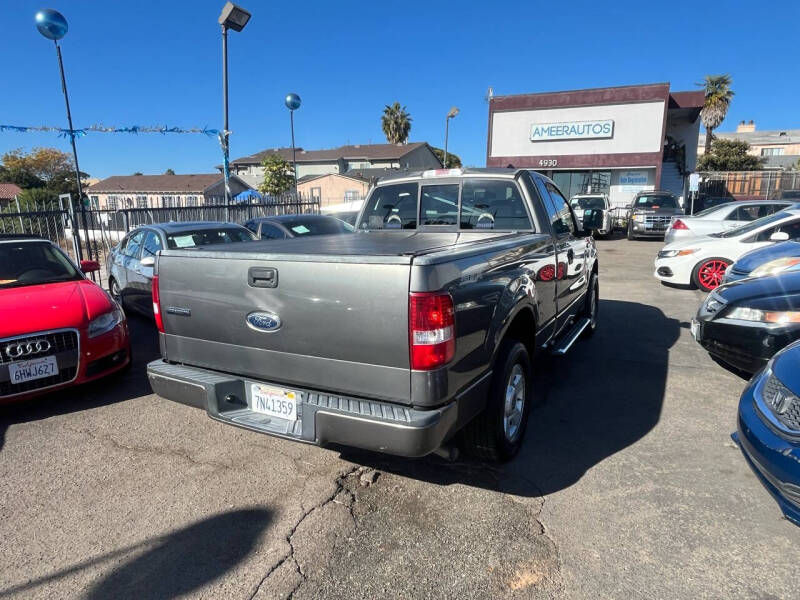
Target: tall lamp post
pixel 450 115
pixel 52 25
pixel 232 17
pixel 293 103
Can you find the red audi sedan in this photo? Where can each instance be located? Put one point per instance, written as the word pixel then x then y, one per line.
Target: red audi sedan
pixel 57 328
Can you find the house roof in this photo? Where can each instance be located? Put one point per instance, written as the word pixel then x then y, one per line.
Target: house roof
pixel 358 151
pixel 156 183
pixel 347 175
pixel 759 138
pixel 9 190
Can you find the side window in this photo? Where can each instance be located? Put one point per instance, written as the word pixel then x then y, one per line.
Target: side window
pixel 745 213
pixel 252 226
pixel 766 210
pixel 122 244
pixel 563 223
pixel 438 205
pixel 134 246
pixel 792 228
pixel 492 204
pixel 270 232
pixel 152 244
pixel 391 207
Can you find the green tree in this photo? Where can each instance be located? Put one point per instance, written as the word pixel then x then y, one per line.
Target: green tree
pixel 278 175
pixel 718 95
pixel 47 168
pixel 453 160
pixel 729 155
pixel 140 173
pixel 396 123
pixel 169 172
pixel 34 199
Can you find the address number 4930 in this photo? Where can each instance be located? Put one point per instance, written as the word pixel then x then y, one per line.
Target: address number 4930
pixel 548 162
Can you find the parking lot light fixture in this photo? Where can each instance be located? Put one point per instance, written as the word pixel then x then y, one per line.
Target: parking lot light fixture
pixel 293 103
pixel 450 115
pixel 52 25
pixel 232 17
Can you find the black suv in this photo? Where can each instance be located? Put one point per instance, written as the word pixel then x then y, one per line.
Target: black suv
pixel 651 213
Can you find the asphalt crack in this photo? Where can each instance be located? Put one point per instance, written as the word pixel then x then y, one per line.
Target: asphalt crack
pixel 340 488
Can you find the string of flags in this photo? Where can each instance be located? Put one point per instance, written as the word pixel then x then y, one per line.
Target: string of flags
pixel 136 129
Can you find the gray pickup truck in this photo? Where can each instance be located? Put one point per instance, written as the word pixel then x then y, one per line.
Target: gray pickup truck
pixel 421 325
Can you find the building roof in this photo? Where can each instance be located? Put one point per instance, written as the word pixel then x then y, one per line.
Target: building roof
pixel 156 183
pixel 352 152
pixel 759 138
pixel 9 190
pixel 347 175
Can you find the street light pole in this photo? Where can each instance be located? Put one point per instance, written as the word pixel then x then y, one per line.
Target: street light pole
pixel 293 102
pixel 52 25
pixel 451 114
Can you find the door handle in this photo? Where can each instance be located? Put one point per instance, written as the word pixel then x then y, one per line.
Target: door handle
pixel 263 278
pixel 570 255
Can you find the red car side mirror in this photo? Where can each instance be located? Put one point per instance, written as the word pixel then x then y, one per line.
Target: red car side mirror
pixel 90 266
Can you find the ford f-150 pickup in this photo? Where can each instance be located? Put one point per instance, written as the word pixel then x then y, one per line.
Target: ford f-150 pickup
pixel 421 325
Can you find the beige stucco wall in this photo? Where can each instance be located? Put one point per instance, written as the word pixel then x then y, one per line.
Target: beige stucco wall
pixel 333 188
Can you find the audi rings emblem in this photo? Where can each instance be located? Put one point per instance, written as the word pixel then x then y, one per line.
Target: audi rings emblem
pixel 22 349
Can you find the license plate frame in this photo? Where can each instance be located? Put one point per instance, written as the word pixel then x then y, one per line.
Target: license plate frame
pixel 30 370
pixel 274 401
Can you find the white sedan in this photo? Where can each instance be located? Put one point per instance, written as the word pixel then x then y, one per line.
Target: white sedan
pixel 702 261
pixel 721 218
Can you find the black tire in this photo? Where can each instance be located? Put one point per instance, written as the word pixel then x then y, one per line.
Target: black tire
pixel 630 233
pixel 591 310
pixel 112 285
pixel 485 436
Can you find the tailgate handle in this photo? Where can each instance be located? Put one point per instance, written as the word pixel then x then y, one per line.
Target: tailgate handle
pixel 262 277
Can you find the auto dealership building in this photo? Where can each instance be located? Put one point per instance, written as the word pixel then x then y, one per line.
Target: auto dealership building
pixel 617 141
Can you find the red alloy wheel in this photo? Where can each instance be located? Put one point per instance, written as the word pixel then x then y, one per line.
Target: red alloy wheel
pixel 711 272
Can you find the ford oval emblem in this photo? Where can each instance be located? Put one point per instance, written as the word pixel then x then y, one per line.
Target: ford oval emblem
pixel 264 321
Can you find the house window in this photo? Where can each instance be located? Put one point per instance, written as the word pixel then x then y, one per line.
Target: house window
pixel 95 202
pixel 352 195
pixel 141 201
pixel 316 192
pixel 772 152
pixel 191 201
pixel 112 203
pixel 168 202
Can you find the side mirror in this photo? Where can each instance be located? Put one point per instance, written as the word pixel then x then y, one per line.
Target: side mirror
pixel 90 266
pixel 148 261
pixel 592 220
pixel 779 236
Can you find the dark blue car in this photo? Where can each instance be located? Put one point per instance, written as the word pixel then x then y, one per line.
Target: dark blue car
pixel 769 260
pixel 769 429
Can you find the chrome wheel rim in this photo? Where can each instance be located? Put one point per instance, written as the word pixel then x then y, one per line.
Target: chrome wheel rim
pixel 114 290
pixel 514 403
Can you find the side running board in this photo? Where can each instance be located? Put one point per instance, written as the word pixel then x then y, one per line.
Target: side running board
pixel 565 343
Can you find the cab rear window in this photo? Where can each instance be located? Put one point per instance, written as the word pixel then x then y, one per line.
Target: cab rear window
pixel 473 204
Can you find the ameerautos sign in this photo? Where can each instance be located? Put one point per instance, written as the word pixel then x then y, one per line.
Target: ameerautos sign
pixel 572 130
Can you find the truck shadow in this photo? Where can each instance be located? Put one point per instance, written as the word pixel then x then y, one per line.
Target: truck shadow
pixel 168 566
pixel 604 396
pixel 116 388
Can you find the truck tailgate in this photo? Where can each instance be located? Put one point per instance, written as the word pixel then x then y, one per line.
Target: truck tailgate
pixel 343 324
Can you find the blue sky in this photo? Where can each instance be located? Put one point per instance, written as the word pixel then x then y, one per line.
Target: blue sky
pixel 150 63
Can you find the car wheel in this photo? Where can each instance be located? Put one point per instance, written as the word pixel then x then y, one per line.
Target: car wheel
pixel 707 274
pixel 630 233
pixel 114 291
pixel 496 433
pixel 591 306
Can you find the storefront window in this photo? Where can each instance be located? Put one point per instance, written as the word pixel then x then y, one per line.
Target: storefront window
pixel 582 182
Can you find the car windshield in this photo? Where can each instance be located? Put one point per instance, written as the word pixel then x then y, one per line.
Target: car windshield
pixel 595 202
pixel 753 225
pixel 205 237
pixel 654 202
pixel 323 225
pixel 34 263
pixel 348 217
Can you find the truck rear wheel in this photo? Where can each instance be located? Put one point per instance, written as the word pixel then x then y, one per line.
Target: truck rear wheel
pixel 496 434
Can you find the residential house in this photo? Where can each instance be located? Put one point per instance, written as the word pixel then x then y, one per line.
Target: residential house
pixel 779 148
pixel 8 191
pixel 356 166
pixel 162 191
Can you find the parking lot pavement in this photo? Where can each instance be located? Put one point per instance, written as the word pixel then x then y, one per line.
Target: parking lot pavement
pixel 628 486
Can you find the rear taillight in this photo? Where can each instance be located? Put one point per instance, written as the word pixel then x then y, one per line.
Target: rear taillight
pixel 678 224
pixel 431 330
pixel 157 305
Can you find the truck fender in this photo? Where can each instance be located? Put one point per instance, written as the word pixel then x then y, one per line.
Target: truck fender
pixel 518 296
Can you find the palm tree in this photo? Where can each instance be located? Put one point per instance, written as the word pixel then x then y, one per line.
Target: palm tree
pixel 396 123
pixel 715 107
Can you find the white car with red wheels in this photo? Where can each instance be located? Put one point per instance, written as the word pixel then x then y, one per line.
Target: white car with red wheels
pixel 702 262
